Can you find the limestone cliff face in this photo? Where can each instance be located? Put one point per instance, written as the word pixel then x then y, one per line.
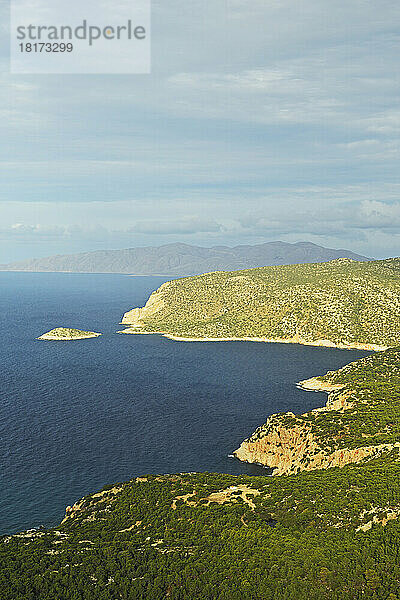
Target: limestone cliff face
pixel 278 446
pixel 135 317
pixel 289 450
pixel 289 444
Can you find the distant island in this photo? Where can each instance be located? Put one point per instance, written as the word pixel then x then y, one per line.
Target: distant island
pixel 341 303
pixel 175 260
pixel 66 334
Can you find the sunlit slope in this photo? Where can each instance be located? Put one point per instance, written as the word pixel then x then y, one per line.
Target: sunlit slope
pixel 343 302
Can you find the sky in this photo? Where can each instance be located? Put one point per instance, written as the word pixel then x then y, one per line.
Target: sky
pixel 262 120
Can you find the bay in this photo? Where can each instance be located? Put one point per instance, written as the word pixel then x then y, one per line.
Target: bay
pixel 75 416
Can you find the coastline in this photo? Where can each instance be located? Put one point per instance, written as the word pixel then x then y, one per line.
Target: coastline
pixel 289 443
pixel 294 340
pixel 287 448
pixel 314 384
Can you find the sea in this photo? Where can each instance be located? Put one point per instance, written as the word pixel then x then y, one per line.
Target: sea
pixel 76 416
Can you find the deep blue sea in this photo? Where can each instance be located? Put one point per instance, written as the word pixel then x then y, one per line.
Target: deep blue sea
pixel 75 416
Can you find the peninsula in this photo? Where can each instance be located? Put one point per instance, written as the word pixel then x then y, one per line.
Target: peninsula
pixel 359 422
pixel 66 334
pixel 341 303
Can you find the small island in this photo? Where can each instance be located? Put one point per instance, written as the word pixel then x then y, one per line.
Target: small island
pixel 67 334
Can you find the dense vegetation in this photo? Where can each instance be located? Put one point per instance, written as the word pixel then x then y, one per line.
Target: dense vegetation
pixel 302 540
pixel 342 301
pixel 374 416
pixel 316 535
pixel 326 534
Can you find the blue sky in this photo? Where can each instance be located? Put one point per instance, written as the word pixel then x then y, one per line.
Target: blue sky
pixel 261 120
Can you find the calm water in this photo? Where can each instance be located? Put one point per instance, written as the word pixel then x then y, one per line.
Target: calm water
pixel 76 416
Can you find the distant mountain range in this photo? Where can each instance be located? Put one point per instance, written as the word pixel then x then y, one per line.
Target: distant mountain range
pixel 183 259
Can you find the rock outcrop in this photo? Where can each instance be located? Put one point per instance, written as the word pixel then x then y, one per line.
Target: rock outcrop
pixel 289 444
pixel 291 449
pixel 135 317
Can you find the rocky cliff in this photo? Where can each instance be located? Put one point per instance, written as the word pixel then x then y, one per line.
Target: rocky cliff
pixel 342 432
pixel 291 449
pixel 156 303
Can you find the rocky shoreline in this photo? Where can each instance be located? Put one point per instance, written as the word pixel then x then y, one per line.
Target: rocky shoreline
pixel 294 340
pixel 289 449
pixel 336 434
pixel 289 443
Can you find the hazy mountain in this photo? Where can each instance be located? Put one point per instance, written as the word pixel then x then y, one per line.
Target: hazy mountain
pixel 182 259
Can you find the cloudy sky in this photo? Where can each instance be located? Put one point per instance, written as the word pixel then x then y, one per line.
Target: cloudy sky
pixel 262 120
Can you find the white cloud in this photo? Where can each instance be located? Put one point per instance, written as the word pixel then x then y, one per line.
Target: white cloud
pixel 379 215
pixel 387 123
pixel 184 226
pixel 347 222
pixel 188 225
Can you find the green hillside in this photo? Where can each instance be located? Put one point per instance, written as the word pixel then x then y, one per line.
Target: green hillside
pixel 347 303
pixel 373 416
pixel 326 528
pixel 292 538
